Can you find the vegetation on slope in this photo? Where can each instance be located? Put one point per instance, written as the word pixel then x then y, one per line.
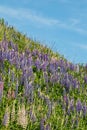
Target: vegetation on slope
pixel 39 89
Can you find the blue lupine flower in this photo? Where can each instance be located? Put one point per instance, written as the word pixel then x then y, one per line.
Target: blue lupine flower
pixel 78 106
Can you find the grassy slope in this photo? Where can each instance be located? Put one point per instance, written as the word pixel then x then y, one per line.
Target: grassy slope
pixel 21 39
pixel 57 119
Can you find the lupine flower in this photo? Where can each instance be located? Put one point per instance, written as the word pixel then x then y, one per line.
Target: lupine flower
pixel 45 57
pixel 75 83
pixel 30 61
pixel 44 66
pixel 51 68
pixel 66 100
pixel 38 64
pixel 22 117
pixel 6 117
pixel 29 92
pixel 72 67
pixel 78 106
pixel 30 73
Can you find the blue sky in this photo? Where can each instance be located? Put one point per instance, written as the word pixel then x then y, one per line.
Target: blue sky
pixel 60 24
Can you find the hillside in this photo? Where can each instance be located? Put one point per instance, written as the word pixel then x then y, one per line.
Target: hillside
pixel 39 89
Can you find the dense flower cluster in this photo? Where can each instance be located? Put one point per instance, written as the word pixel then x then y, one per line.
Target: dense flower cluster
pixel 30 75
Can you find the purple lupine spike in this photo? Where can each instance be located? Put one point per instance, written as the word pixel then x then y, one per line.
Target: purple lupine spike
pixel 74 83
pixel 44 66
pixel 29 92
pixel 62 69
pixel 78 106
pixel 66 100
pixel 38 64
pixel 25 76
pixel 72 67
pixel 40 55
pixel 5 119
pixel 30 71
pixel 51 68
pixel 45 57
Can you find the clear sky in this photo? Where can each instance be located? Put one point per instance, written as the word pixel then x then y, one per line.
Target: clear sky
pixel 61 24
